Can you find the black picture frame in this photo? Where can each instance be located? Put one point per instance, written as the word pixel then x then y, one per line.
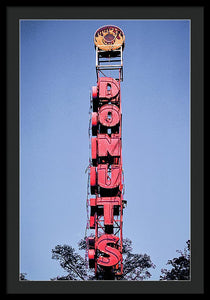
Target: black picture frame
pixel 13 13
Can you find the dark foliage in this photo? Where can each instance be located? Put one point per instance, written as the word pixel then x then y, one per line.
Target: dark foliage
pixel 180 266
pixel 22 276
pixel 135 265
pixel 71 262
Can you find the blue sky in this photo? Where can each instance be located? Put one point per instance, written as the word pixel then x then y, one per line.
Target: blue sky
pixel 57 71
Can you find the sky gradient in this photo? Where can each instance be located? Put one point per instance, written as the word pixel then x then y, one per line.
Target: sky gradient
pixel 57 71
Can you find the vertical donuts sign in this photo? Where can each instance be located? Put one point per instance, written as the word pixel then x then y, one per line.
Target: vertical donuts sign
pixel 106 181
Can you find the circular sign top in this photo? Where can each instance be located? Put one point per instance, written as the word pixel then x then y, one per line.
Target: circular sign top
pixel 109 38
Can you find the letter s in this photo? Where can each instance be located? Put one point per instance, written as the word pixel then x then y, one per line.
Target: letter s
pixel 114 255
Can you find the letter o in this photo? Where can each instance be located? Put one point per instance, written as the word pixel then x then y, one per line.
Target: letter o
pixel 109 115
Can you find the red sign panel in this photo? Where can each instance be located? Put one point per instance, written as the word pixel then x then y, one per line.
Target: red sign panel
pixel 106 181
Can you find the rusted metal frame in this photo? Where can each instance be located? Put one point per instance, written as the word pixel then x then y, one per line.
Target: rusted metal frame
pixel 96 239
pixel 109 67
pixel 99 66
pixel 113 60
pixel 102 72
pixel 105 51
pixel 120 131
pixel 117 227
pixel 100 224
pixel 98 221
pixel 117 223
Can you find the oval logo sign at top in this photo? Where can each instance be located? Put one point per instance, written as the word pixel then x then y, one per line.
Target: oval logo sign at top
pixel 109 38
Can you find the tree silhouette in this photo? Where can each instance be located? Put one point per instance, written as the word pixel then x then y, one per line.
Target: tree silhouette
pixel 22 276
pixel 135 265
pixel 180 266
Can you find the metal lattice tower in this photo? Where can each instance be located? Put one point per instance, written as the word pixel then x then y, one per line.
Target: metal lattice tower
pixel 105 200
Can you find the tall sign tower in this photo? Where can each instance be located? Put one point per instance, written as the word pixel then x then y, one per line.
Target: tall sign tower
pixel 106 183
